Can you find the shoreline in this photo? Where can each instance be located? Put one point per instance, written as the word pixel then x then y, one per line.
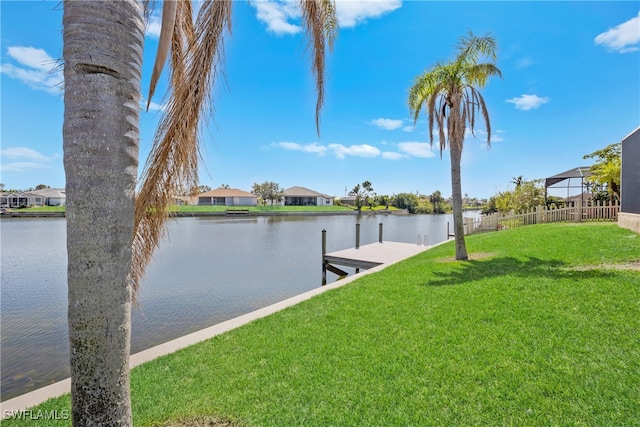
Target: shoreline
pixel 221 214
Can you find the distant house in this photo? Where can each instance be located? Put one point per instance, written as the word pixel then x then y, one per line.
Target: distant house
pixel 52 196
pixel 301 196
pixel 227 197
pixel 44 197
pixel 348 200
pixel 185 200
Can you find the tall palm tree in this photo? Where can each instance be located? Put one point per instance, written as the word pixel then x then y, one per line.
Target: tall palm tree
pixel 448 91
pixel 111 230
pixel 517 181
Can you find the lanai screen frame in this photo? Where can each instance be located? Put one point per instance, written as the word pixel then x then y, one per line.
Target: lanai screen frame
pixel 577 173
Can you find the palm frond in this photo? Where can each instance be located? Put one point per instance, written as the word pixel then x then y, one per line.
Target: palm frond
pixel 471 47
pixel 173 161
pixel 320 24
pixel 169 8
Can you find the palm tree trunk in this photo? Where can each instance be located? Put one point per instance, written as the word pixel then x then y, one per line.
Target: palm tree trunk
pixel 455 148
pixel 103 42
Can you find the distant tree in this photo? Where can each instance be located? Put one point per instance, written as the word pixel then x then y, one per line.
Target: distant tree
pixel 437 201
pixel 528 195
pixel 607 168
pixel 1 186
pixel 408 201
pixel 490 207
pixel 517 181
pixel 362 192
pixel 41 187
pixel 224 186
pixel 268 192
pixel 448 91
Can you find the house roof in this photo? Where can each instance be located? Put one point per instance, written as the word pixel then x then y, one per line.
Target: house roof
pixel 50 193
pixel 579 172
pixel 226 192
pixel 302 192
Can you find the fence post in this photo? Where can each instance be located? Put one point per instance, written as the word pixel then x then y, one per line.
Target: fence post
pixel 539 214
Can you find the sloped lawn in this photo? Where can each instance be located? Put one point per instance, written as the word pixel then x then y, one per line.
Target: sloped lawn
pixel 541 327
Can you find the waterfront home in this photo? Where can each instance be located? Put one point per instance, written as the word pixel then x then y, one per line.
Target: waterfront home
pixel 227 197
pixel 44 197
pixel 301 196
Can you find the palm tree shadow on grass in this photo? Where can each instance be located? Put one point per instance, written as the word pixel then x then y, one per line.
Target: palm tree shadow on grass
pixel 472 270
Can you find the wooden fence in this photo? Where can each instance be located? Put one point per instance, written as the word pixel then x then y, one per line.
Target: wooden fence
pixel 542 215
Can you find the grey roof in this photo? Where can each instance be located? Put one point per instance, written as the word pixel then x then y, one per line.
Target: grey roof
pixel 50 193
pixel 579 172
pixel 302 192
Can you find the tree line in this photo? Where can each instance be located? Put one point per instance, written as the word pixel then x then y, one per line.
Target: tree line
pixel 604 185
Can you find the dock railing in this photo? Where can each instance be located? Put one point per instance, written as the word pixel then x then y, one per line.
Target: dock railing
pixel 541 215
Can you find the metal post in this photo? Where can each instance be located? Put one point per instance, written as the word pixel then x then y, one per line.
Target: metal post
pixel 358 236
pixel 324 252
pixel 380 232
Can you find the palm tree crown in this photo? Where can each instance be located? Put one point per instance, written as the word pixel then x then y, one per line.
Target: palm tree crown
pixel 452 87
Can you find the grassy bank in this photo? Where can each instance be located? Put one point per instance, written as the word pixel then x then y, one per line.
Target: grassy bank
pixel 196 209
pixel 541 327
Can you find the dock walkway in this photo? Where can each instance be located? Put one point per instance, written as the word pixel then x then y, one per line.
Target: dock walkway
pixel 368 256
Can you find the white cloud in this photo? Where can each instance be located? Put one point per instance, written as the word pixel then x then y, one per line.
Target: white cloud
pixel 362 150
pixel 276 14
pixel 154 25
pixel 153 106
pixel 22 153
pixel 308 148
pixel 27 159
pixel 353 12
pixel 388 124
pixel 416 149
pixel 23 166
pixel 391 155
pixel 623 38
pixel 524 62
pixel 35 68
pixel 528 102
pixel 409 128
pixel 481 135
pixel 281 16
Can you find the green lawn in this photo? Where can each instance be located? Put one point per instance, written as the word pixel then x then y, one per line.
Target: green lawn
pixel 41 209
pixel 540 328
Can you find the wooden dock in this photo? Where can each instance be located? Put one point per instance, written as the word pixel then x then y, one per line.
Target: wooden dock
pixel 368 256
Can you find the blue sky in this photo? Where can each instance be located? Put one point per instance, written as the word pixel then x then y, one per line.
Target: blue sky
pixel 570 86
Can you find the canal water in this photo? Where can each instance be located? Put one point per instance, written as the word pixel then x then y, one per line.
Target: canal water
pixel 207 270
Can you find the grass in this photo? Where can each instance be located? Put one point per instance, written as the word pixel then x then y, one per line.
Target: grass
pixel 541 327
pixel 41 209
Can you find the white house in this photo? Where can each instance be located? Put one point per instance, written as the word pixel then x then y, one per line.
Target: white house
pixel 301 196
pixel 53 196
pixel 227 197
pixel 44 197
